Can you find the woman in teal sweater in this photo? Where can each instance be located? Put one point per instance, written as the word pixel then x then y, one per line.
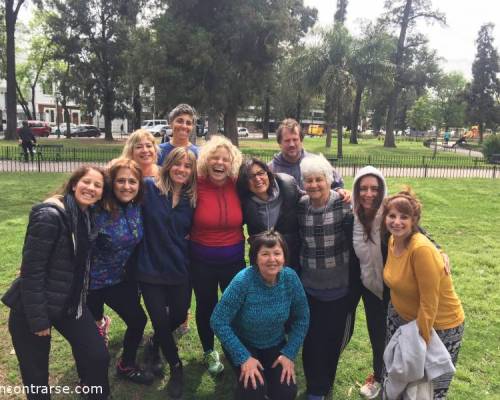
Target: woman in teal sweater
pixel 250 321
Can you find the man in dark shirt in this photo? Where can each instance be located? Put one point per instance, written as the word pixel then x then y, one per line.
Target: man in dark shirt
pixel 27 139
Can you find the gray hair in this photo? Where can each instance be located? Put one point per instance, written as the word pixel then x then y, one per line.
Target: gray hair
pixel 182 109
pixel 313 164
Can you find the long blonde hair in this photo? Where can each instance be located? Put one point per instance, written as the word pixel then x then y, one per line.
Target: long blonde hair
pixel 163 180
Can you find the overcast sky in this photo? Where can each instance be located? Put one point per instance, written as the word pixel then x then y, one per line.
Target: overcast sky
pixel 455 43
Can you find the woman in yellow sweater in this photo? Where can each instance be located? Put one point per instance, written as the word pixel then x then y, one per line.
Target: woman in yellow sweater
pixel 420 288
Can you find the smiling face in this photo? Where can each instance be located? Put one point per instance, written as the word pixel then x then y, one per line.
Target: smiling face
pixel 144 153
pixel 258 182
pixel 125 185
pixel 88 190
pixel 181 171
pixel 369 190
pixel 219 166
pixel 398 224
pixel 182 125
pixel 270 261
pixel 291 145
pixel 318 189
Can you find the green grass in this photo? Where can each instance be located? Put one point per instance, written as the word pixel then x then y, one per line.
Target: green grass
pixel 462 215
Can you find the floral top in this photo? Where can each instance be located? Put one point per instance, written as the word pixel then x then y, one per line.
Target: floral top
pixel 118 235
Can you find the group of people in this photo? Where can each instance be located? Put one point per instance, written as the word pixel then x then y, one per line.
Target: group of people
pixel 163 221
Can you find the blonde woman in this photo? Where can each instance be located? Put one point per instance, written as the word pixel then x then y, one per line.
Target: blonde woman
pixel 162 263
pixel 217 243
pixel 142 148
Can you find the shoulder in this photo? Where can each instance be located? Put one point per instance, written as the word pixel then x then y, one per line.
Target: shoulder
pixel 421 246
pixel 285 180
pixel 166 146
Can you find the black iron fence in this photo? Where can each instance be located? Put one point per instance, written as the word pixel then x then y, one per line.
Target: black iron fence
pixel 56 158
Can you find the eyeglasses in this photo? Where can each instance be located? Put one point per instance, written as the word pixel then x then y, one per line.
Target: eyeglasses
pixel 258 174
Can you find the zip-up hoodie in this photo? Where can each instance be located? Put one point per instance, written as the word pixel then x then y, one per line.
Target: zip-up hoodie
pixel 218 218
pixel 369 252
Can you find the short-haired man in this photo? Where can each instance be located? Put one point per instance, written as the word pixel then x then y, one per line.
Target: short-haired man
pixel 27 140
pixel 289 137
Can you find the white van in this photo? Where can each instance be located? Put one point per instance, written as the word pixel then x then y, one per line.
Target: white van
pixel 149 124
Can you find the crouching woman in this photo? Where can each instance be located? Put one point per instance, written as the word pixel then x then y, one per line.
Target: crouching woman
pixel 51 290
pixel 250 321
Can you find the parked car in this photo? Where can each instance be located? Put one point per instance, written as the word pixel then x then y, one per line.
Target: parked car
pixel 86 131
pixel 151 124
pixel 39 128
pixel 166 131
pixel 158 129
pixel 242 132
pixel 62 128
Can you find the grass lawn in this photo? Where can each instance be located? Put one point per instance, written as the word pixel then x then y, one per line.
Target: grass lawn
pixel 462 215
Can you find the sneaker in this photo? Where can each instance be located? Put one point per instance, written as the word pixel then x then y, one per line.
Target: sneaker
pixel 214 366
pixel 175 383
pixel 153 359
pixel 134 374
pixel 371 388
pixel 103 328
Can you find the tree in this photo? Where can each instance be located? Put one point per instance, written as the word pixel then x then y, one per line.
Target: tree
pixel 341 11
pixel 423 114
pixel 11 13
pixel 451 100
pixel 404 14
pixel 484 93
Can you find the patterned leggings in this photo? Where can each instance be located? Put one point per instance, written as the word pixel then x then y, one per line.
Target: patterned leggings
pixel 451 338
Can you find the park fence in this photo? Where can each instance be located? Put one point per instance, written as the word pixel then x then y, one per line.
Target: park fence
pixel 56 158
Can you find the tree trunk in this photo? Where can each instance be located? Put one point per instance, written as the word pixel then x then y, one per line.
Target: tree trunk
pixel 339 129
pixel 108 114
pixel 230 124
pixel 23 103
pixel 298 108
pixel 393 103
pixel 267 112
pixel 10 25
pixel 64 105
pixel 328 118
pixel 33 101
pixel 137 106
pixel 212 123
pixel 355 115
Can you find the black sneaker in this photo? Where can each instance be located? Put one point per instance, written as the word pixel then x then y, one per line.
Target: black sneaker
pixel 134 374
pixel 175 383
pixel 153 359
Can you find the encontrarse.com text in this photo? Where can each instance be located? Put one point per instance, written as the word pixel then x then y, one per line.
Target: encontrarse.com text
pixel 56 389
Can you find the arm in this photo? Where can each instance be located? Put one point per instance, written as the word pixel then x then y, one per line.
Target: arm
pixel 224 313
pixel 42 233
pixel 428 271
pixel 446 259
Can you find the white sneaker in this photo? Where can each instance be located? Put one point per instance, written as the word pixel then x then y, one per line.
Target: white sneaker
pixel 371 388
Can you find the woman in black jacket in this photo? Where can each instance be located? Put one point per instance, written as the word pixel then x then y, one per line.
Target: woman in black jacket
pixel 270 201
pixel 52 286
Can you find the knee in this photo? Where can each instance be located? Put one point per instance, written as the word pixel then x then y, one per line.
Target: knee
pixel 282 391
pixel 99 358
pixel 249 393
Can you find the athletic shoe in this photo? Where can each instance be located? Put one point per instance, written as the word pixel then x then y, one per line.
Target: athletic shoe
pixel 134 374
pixel 103 328
pixel 175 383
pixel 211 359
pixel 371 388
pixel 153 359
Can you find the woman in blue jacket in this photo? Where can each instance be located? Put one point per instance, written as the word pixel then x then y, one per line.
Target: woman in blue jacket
pixel 119 222
pixel 162 264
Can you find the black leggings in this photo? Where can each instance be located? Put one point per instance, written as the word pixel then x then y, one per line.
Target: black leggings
pixel 167 307
pixel 206 281
pixel 330 329
pixel 272 389
pixel 89 351
pixel 124 299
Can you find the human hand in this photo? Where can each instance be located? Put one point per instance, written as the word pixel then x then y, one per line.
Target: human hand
pixel 447 265
pixel 345 195
pixel 45 332
pixel 250 371
pixel 288 369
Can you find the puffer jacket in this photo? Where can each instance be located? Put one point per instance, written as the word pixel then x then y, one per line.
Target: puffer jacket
pixel 45 287
pixel 286 224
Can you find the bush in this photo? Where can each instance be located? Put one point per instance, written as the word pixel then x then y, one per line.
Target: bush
pixel 491 146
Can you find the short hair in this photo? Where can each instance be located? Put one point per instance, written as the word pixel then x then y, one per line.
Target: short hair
pixel 78 174
pixel 243 181
pixel 314 164
pixel 210 147
pixel 406 203
pixel 110 203
pixel 164 181
pixel 291 124
pixel 182 109
pixel 268 238
pixel 134 138
pixel 25 123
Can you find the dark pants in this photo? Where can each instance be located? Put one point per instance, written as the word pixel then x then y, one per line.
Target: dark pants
pixel 206 280
pixel 167 307
pixel 330 329
pixel 89 351
pixel 272 388
pixel 124 299
pixel 27 146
